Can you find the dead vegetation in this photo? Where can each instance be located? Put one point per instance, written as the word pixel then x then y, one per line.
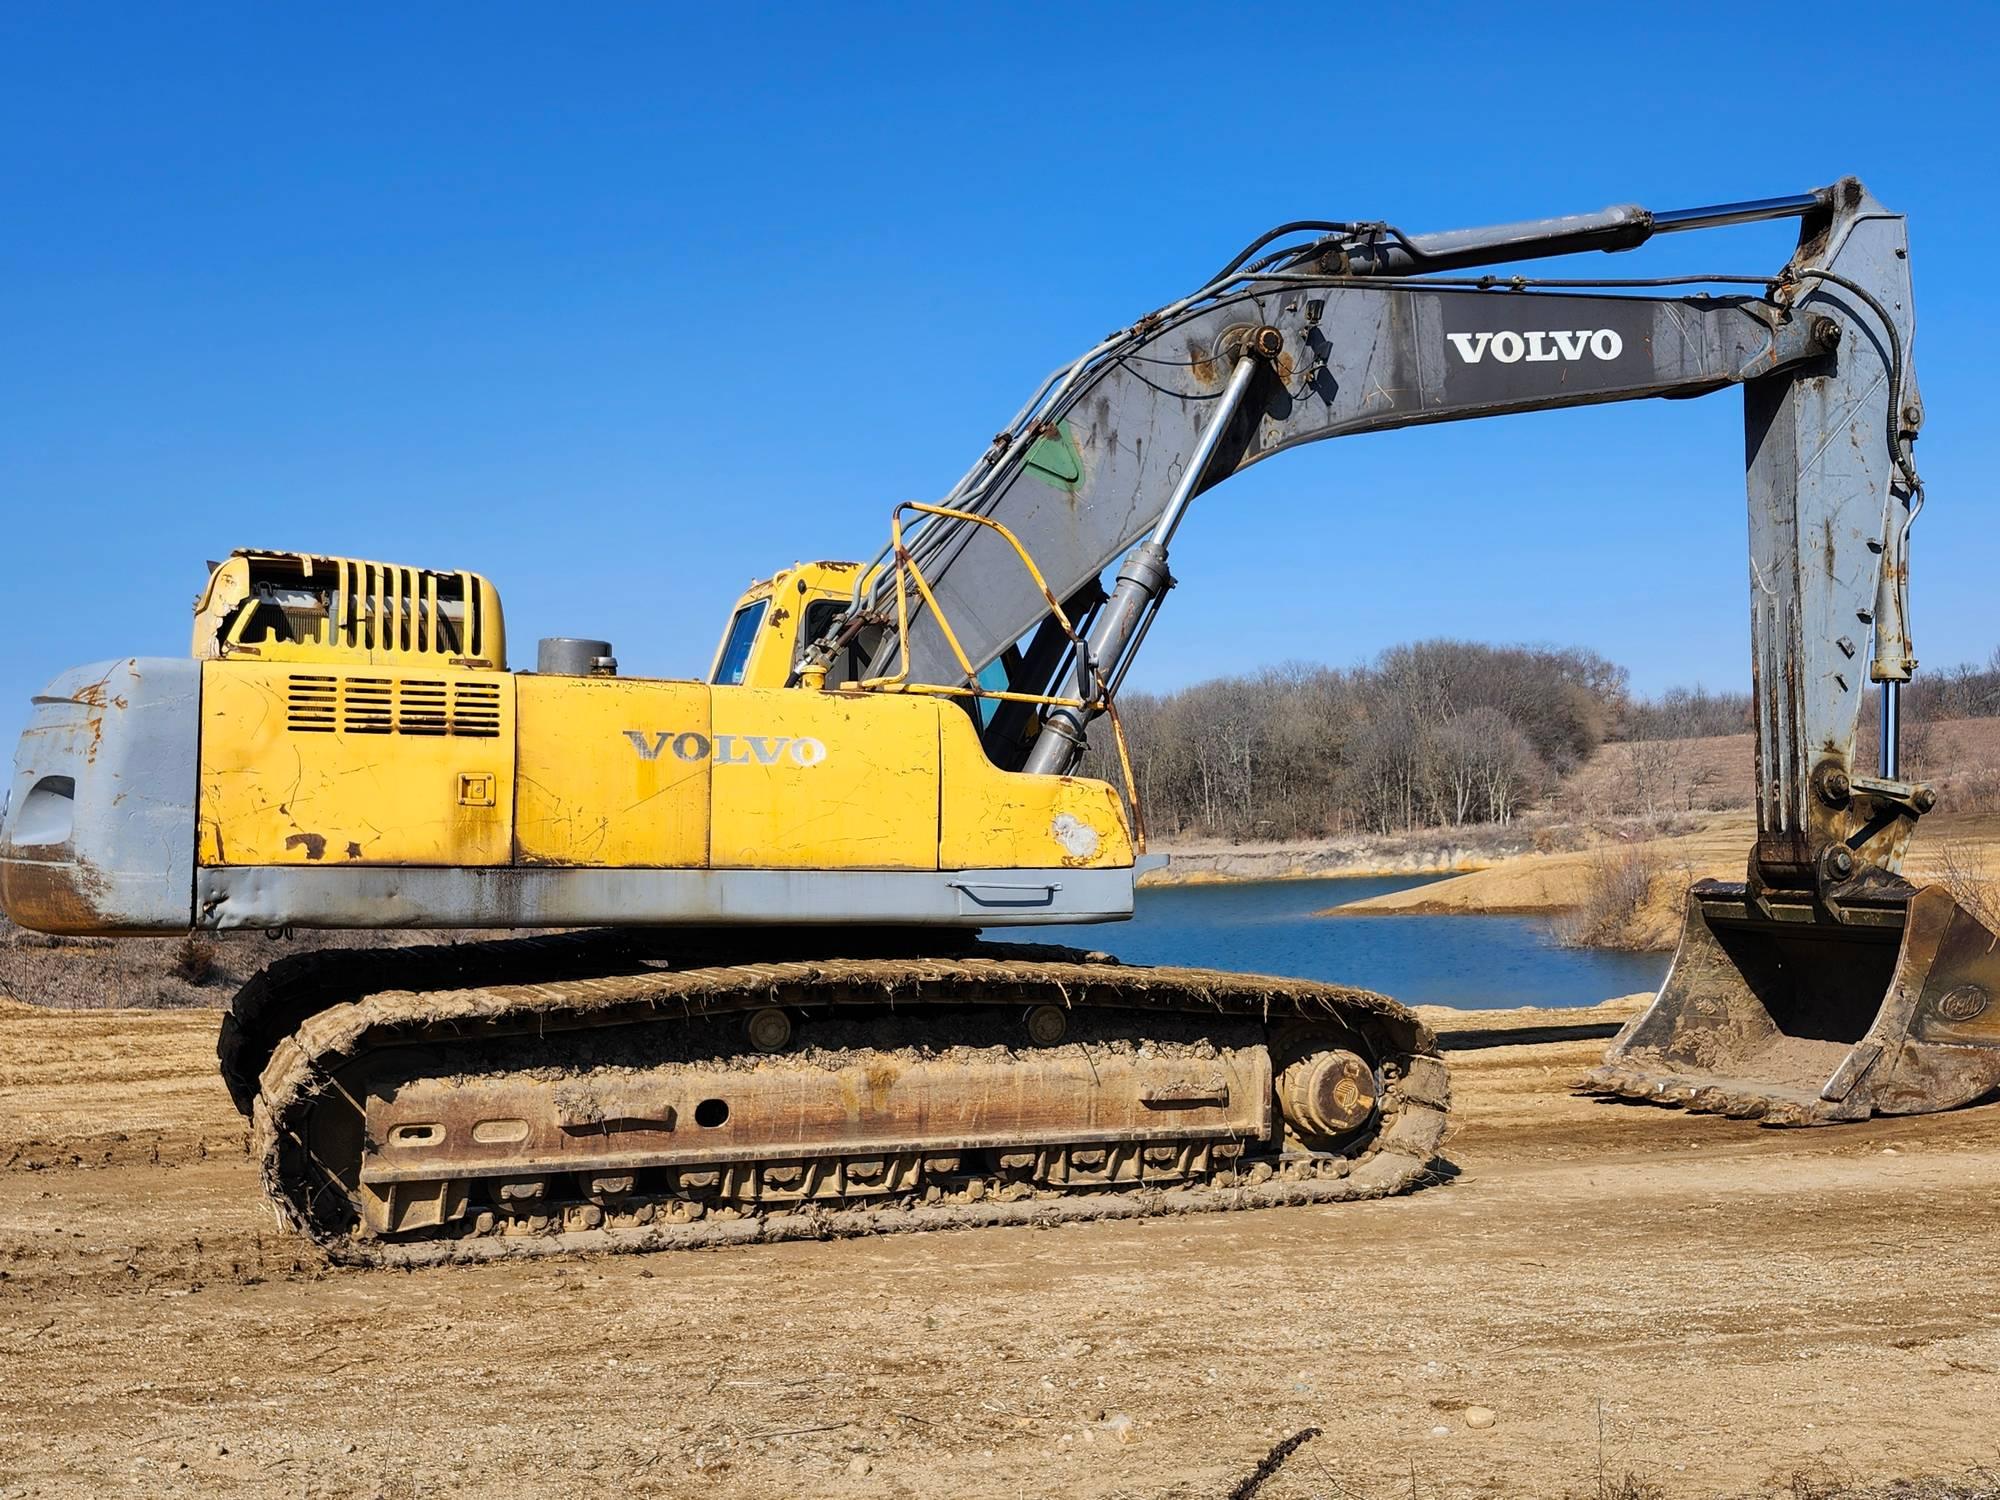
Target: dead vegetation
pixel 1960 871
pixel 199 969
pixel 1823 1484
pixel 1633 897
pixel 1650 778
pixel 1621 884
pixel 194 960
pixel 1816 1484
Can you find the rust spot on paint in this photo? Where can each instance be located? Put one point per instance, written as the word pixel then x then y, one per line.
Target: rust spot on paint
pixel 54 897
pixel 97 700
pixel 1201 362
pixel 313 843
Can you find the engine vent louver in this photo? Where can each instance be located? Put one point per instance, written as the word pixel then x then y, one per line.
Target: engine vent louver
pixel 391 705
pixel 475 710
pixel 312 704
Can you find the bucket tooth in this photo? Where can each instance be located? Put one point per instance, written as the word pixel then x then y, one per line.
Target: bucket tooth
pixel 1783 1010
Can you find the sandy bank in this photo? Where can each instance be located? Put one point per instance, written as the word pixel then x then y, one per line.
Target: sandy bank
pixel 1434 852
pixel 1545 884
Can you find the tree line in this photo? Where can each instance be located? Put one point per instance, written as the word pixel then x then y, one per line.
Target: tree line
pixel 1433 734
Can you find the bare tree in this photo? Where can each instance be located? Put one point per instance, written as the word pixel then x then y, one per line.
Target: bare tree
pixel 1433 733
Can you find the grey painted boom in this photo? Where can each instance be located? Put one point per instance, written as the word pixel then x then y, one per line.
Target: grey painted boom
pixel 1823 355
pixel 1358 359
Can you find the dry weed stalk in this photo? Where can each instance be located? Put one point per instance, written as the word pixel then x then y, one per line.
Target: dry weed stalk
pixel 1961 872
pixel 1622 878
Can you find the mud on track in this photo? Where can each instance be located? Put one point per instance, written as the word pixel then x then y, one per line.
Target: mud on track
pixel 1737 1303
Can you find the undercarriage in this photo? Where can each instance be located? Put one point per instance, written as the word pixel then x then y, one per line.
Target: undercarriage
pixel 596 1091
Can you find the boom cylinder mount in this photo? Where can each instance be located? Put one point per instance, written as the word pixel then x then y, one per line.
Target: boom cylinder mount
pixel 1143 579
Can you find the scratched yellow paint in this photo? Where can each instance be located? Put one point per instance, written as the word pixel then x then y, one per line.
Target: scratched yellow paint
pixel 612 772
pixel 329 765
pixel 993 819
pixel 805 780
pixel 275 793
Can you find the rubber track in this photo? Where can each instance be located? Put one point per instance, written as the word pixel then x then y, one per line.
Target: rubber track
pixel 327 1037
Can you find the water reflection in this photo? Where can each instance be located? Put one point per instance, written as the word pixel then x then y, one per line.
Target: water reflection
pixel 1269 927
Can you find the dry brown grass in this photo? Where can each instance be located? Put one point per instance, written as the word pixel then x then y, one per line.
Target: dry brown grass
pixel 1960 757
pixel 1623 891
pixel 1960 871
pixel 194 959
pixel 1812 1484
pixel 200 969
pixel 1825 1484
pixel 1658 776
pixel 1630 1487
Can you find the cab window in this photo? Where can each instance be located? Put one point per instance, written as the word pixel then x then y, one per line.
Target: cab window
pixel 819 617
pixel 735 657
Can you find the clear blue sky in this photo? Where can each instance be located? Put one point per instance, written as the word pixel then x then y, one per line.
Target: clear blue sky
pixel 626 305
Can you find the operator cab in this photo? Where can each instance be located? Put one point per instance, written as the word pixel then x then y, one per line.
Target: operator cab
pixel 777 619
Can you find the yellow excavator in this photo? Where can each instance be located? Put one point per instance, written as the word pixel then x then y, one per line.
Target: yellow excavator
pixel 763 1007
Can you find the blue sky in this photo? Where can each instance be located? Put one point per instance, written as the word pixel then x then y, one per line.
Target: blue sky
pixel 627 305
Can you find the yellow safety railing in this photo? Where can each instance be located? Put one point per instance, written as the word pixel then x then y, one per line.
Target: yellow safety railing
pixel 908 573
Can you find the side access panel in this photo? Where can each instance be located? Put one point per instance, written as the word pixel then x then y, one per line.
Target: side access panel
pixel 989 817
pixel 823 781
pixel 324 766
pixel 611 772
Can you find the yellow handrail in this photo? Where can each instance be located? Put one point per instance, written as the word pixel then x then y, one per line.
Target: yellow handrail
pixel 907 572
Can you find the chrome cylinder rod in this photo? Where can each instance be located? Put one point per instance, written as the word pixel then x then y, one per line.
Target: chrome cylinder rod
pixel 1142 579
pixel 1204 449
pixel 1750 211
pixel 1892 731
pixel 1622 227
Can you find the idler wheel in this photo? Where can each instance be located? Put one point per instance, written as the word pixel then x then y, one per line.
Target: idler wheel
pixel 1327 1094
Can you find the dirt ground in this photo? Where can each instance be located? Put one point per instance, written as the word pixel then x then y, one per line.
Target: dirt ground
pixel 1699 1303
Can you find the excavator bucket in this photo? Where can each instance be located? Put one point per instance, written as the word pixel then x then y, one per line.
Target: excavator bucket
pixel 1794 1016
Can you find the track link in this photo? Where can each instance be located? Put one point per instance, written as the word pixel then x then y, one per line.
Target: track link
pixel 601 1015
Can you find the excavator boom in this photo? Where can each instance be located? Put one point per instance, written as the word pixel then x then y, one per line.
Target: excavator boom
pixel 1796 995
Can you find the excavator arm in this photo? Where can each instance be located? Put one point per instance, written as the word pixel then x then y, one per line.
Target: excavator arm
pixel 1363 329
pixel 1822 986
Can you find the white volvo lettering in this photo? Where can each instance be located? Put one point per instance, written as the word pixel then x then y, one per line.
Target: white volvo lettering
pixel 1538 346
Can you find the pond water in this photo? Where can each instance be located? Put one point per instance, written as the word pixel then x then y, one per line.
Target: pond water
pixel 1270 927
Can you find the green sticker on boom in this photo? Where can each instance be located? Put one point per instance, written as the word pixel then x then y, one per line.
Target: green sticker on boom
pixel 1055 460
